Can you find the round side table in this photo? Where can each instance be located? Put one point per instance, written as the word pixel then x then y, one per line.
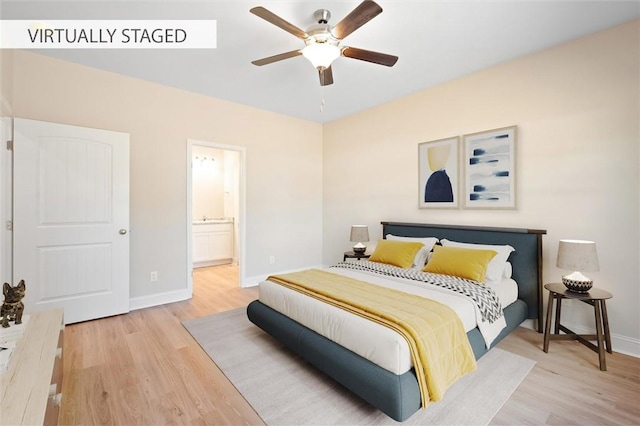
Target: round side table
pixel 596 298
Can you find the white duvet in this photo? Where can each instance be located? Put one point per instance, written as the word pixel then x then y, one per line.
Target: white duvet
pixel 373 341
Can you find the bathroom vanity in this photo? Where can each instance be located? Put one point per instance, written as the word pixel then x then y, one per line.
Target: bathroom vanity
pixel 212 242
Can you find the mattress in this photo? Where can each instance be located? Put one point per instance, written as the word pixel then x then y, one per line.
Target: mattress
pixel 380 345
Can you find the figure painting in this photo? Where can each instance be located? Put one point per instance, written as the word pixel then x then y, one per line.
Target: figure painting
pixel 438 173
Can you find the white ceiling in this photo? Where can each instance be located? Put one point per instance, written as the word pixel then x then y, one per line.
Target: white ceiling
pixel 436 41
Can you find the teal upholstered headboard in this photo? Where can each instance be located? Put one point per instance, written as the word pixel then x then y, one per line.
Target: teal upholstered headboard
pixel 526 259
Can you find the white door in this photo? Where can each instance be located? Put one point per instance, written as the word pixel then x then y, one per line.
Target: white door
pixel 71 219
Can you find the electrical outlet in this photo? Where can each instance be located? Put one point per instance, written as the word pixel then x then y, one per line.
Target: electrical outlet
pixel 272 260
pixel 153 276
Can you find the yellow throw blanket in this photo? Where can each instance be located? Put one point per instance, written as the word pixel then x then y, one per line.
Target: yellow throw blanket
pixel 439 346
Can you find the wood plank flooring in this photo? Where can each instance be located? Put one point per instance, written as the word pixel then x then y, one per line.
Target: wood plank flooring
pixel 144 368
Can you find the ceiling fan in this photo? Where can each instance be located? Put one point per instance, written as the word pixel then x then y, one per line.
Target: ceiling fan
pixel 322 41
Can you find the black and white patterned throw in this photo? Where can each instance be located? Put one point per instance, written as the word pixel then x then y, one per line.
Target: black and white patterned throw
pixel 484 297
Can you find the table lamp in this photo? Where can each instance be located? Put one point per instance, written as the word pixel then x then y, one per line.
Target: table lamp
pixel 359 234
pixel 578 256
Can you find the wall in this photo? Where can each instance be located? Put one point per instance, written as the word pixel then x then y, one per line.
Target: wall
pixel 208 183
pixel 6 82
pixel 283 160
pixel 577 111
pixel 231 180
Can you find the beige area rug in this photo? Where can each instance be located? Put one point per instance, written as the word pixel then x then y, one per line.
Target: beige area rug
pixel 285 390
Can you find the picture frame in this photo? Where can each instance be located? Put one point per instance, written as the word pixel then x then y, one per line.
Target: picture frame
pixel 438 173
pixel 489 166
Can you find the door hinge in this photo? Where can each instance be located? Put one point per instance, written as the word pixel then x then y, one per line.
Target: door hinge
pixel 10 145
pixel 9 225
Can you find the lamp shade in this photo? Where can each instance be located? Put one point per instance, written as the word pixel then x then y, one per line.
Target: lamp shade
pixel 359 234
pixel 577 255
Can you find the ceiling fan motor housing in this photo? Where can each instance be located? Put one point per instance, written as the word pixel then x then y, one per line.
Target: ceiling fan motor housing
pixel 322 16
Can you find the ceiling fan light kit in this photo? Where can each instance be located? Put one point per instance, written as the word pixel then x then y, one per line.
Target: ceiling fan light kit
pixel 322 42
pixel 321 55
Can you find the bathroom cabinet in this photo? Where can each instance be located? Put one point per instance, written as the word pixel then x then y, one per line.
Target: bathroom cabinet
pixel 212 243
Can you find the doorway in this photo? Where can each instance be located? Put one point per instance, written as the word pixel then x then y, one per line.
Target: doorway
pixel 215 207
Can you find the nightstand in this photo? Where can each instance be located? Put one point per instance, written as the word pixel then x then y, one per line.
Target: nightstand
pixel 352 255
pixel 596 298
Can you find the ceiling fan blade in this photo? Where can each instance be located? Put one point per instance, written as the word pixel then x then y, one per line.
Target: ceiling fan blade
pixel 369 56
pixel 326 76
pixel 276 58
pixel 278 22
pixel 363 13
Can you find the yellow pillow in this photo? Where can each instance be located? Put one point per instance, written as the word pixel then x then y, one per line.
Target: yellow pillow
pixel 397 253
pixel 460 262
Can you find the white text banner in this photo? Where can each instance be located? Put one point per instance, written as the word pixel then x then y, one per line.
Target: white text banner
pixel 108 34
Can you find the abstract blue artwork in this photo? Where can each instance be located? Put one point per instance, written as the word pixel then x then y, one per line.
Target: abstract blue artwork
pixel 438 173
pixel 489 169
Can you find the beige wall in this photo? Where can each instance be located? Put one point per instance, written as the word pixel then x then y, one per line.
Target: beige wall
pixel 6 82
pixel 208 185
pixel 283 160
pixel 577 111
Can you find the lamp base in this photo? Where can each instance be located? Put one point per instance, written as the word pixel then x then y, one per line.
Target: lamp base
pixel 577 286
pixel 359 248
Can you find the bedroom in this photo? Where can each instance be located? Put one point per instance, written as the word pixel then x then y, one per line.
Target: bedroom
pixel 575 105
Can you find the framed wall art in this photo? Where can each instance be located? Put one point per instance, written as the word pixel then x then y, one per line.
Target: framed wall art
pixel 438 173
pixel 489 166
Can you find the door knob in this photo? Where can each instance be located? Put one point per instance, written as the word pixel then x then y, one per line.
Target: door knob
pixel 122 231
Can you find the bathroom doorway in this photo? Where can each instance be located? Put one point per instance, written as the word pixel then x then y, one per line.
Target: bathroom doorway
pixel 215 207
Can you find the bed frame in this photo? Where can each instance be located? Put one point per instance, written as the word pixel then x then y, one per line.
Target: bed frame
pixel 398 396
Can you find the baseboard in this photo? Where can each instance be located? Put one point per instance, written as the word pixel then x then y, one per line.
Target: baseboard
pixel 619 343
pixel 213 263
pixel 142 302
pixel 531 324
pixel 252 281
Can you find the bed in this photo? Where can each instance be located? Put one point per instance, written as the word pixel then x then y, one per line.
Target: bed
pixel 396 393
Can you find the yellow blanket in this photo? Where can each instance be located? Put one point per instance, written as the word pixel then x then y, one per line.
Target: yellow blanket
pixel 439 346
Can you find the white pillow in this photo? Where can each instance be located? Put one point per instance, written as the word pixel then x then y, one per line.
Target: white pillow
pixel 421 257
pixel 508 270
pixel 497 265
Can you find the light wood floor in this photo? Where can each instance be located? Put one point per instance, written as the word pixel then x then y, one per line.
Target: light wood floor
pixel 144 368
